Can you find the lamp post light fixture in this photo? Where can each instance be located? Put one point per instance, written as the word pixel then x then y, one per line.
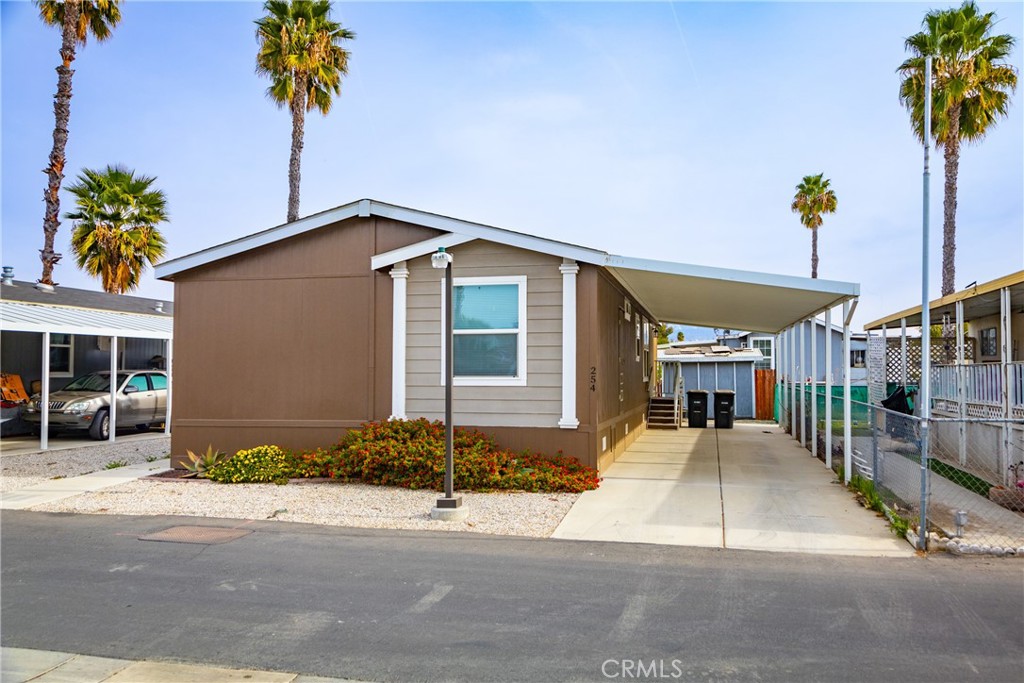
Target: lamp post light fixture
pixel 449 507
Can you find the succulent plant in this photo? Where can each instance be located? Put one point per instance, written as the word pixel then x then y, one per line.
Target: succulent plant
pixel 200 465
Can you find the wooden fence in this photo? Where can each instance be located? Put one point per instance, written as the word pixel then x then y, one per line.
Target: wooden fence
pixel 764 394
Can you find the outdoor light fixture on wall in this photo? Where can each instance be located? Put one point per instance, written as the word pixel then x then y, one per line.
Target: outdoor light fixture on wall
pixel 448 508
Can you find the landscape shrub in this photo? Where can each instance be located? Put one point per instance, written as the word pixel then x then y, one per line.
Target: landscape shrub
pixel 410 454
pixel 259 464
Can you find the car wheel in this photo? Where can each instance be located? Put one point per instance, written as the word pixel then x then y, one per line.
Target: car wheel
pixel 142 428
pixel 100 429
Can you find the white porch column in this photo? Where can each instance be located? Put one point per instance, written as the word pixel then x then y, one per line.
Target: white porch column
pixel 847 428
pixel 169 361
pixel 1004 362
pixel 814 386
pixel 112 414
pixel 776 350
pixel 961 377
pixel 399 311
pixel 828 388
pixel 569 269
pixel 44 400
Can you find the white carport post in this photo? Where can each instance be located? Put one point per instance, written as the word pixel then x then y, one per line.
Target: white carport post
pixel 792 381
pixel 828 387
pixel 776 350
pixel 814 386
pixel 168 361
pixel 903 353
pixel 802 365
pixel 847 427
pixel 112 414
pixel 1004 359
pixel 44 401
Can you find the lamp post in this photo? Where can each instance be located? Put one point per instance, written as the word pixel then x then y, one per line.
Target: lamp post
pixel 449 507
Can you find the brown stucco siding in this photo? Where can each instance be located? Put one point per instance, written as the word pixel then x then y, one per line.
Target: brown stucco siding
pixel 287 344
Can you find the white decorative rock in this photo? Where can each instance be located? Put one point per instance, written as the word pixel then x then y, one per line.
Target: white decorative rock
pixel 999 552
pixel 953 547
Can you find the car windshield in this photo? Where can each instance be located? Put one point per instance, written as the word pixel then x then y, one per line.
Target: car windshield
pixel 94 382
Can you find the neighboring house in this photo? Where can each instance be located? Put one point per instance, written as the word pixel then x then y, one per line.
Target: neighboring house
pixel 711 367
pixel 301 332
pixel 766 344
pixel 80 324
pixel 976 375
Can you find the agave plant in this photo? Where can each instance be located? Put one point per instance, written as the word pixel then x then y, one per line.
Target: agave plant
pixel 200 465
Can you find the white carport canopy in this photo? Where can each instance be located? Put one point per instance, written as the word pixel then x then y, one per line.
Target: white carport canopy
pixel 48 320
pixel 725 298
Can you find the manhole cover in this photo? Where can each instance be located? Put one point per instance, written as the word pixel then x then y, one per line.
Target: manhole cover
pixel 205 535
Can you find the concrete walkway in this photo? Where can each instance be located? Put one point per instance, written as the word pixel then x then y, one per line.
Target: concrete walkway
pixel 43 666
pixel 751 487
pixel 22 445
pixel 57 489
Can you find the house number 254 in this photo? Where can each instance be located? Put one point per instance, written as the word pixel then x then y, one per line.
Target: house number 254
pixel 593 378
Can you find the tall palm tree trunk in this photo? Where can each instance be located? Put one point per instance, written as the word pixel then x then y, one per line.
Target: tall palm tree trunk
pixel 952 159
pixel 62 113
pixel 298 105
pixel 814 252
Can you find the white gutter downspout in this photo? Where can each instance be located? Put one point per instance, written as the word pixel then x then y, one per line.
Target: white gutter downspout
pixel 828 388
pixel 792 382
pixel 169 356
pixel 44 425
pixel 569 269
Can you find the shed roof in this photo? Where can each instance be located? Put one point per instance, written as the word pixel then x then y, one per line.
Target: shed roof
pixel 979 301
pixel 672 292
pixel 26 309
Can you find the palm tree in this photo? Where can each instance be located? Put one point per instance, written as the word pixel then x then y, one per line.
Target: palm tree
pixel 971 87
pixel 77 19
pixel 115 235
pixel 300 51
pixel 813 198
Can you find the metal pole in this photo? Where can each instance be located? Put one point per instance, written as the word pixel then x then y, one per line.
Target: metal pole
pixel 792 381
pixel 801 384
pixel 1005 332
pixel 112 412
pixel 847 413
pixel 828 388
pixel 168 355
pixel 903 353
pixel 44 401
pixel 449 374
pixel 961 378
pixel 814 386
pixel 924 392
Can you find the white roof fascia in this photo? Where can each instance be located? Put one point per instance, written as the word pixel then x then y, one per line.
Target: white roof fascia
pixel 261 239
pixel 485 232
pixel 709 358
pixel 407 253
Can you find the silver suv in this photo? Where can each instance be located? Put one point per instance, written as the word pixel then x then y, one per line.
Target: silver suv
pixel 85 403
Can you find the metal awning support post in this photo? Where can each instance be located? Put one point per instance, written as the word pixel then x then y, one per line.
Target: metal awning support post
pixel 828 388
pixel 1004 360
pixel 776 348
pixel 44 400
pixel 803 383
pixel 903 353
pixel 814 386
pixel 961 377
pixel 791 351
pixel 168 355
pixel 112 413
pixel 847 416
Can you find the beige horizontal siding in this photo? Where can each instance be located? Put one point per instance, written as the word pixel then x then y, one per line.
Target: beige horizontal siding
pixel 538 404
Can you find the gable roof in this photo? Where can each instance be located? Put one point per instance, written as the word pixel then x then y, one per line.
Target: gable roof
pixel 672 292
pixel 83 298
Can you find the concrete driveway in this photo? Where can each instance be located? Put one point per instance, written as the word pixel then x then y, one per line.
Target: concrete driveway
pixel 750 487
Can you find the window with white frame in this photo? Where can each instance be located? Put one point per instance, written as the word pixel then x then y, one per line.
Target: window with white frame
pixel 989 343
pixel 62 355
pixel 647 349
pixel 766 347
pixel 489 346
pixel 639 347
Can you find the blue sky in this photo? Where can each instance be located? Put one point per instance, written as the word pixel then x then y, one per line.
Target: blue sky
pixel 674 131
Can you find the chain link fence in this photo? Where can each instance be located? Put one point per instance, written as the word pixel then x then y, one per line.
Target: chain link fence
pixel 970 484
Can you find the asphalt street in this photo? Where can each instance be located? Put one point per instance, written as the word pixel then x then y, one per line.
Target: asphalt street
pixel 412 606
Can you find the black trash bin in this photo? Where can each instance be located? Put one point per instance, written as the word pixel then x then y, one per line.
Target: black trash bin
pixel 725 408
pixel 697 408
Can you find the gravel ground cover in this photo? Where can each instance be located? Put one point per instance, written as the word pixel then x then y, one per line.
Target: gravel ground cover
pixel 22 470
pixel 325 502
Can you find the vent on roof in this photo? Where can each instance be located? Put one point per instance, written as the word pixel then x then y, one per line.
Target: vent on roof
pixel 159 307
pixel 8 276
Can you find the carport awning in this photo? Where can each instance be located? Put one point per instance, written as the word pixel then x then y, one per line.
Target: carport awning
pixel 725 298
pixel 20 317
